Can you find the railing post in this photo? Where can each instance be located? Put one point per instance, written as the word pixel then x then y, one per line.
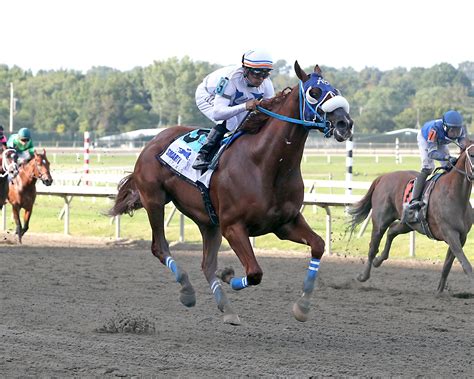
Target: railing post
pixel 412 243
pixel 117 227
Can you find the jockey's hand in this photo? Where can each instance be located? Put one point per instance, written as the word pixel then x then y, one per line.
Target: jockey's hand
pixel 452 161
pixel 251 105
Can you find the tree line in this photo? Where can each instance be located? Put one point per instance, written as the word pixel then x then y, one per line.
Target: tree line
pixel 107 101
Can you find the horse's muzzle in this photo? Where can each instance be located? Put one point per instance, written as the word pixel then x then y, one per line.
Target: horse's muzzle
pixel 47 182
pixel 343 129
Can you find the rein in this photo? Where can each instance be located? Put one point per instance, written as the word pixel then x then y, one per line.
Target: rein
pixel 322 124
pixel 468 166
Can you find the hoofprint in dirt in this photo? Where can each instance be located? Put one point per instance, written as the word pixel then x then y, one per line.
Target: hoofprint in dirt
pixel 89 307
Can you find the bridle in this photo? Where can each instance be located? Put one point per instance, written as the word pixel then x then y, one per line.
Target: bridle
pixel 468 165
pixel 41 175
pixel 308 109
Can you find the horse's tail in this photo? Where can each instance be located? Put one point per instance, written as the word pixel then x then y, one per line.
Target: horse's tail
pixel 360 210
pixel 128 198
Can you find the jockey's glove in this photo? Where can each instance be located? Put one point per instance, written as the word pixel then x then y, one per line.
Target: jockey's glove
pixel 452 161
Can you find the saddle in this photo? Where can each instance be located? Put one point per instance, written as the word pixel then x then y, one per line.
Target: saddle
pixel 419 216
pixel 180 155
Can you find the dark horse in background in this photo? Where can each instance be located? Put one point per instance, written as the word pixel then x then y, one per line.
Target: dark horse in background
pixel 257 189
pixel 4 170
pixel 22 190
pixel 449 213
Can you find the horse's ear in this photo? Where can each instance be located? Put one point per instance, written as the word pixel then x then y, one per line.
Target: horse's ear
pixel 44 152
pixel 300 73
pixel 317 70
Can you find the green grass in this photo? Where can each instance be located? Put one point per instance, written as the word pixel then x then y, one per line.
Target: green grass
pixel 87 215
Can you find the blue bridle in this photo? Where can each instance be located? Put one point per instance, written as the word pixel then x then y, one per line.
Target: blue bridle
pixel 309 116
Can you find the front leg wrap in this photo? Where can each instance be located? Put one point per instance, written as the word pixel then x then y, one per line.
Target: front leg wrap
pixel 311 275
pixel 302 306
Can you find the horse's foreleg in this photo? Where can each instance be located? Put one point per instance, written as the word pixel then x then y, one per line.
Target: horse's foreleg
pixel 393 231
pixel 448 263
pixel 16 217
pixel 160 249
pixel 26 220
pixel 456 243
pixel 299 231
pixel 212 238
pixel 238 239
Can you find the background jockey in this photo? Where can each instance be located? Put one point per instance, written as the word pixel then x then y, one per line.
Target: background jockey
pixel 3 139
pixel 23 146
pixel 433 140
pixel 226 95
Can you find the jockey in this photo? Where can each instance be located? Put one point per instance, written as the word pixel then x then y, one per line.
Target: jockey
pixel 23 145
pixel 227 95
pixel 433 140
pixel 3 139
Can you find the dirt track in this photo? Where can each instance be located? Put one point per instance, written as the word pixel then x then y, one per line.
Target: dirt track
pixel 55 293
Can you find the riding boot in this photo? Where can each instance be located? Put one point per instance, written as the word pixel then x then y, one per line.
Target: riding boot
pixel 214 137
pixel 420 181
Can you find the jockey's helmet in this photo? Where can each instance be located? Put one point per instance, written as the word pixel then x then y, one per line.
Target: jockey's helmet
pixel 452 124
pixel 259 62
pixel 24 133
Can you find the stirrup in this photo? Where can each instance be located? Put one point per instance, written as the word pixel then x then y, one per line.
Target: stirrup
pixel 200 163
pixel 415 204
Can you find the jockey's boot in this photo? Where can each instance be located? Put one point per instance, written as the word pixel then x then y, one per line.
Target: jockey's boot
pixel 420 181
pixel 214 137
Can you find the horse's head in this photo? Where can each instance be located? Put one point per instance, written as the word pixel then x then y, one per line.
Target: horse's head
pixel 41 168
pixel 324 104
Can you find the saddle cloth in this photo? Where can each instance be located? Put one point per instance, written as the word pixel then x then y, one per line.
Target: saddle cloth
pixel 180 155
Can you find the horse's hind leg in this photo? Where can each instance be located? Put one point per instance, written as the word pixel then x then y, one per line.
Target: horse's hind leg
pixel 212 238
pixel 393 231
pixel 376 237
pixel 160 249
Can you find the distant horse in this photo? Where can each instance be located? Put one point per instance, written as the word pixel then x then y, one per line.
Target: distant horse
pixel 449 213
pixel 22 190
pixel 4 170
pixel 257 189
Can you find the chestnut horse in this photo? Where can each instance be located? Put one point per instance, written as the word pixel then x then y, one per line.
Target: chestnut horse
pixel 257 189
pixel 22 190
pixel 449 214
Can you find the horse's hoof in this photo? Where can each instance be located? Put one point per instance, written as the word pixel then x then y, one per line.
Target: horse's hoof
pixel 362 278
pixel 377 262
pixel 188 298
pixel 231 318
pixel 301 310
pixel 226 274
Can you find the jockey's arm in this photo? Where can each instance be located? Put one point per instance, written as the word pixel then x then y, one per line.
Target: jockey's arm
pixel 434 153
pixel 223 110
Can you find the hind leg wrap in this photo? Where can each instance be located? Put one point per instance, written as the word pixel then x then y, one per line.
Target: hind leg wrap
pixel 238 283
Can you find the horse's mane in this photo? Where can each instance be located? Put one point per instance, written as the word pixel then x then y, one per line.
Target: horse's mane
pixel 256 120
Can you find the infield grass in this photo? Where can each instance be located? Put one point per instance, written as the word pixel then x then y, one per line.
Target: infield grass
pixel 88 219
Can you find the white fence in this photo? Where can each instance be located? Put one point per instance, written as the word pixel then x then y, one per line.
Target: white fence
pixel 109 190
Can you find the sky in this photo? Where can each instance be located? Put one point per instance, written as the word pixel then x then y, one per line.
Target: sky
pixel 123 34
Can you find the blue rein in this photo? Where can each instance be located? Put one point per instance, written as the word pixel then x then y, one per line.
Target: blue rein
pixel 322 124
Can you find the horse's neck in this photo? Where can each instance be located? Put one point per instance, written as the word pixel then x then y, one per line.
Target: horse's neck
pixel 459 182
pixel 26 175
pixel 281 144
